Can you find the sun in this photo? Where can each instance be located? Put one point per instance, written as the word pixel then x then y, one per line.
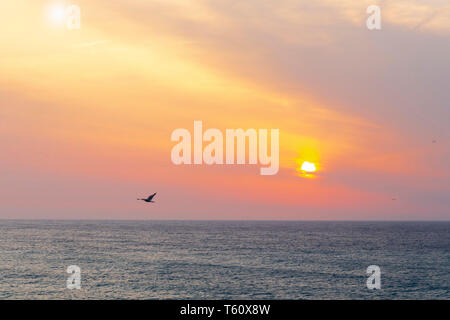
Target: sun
pixel 308 167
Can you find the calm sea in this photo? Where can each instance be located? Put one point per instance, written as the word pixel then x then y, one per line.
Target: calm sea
pixel 224 260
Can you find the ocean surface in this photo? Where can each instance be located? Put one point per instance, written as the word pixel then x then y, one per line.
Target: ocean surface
pixel 224 260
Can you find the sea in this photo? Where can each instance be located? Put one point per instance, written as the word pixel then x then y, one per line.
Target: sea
pixel 223 259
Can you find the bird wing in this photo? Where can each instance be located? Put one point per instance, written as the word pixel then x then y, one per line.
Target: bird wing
pixel 151 197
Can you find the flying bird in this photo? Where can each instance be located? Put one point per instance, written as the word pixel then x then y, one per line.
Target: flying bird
pixel 149 199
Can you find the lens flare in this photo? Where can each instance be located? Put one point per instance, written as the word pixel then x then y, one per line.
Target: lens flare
pixel 57 14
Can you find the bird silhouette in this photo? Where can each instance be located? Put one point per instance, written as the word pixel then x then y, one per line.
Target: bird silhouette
pixel 149 199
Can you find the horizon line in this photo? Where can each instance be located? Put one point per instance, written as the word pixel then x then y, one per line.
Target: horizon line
pixel 214 220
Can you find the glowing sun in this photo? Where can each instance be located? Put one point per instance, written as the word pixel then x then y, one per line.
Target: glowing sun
pixel 308 167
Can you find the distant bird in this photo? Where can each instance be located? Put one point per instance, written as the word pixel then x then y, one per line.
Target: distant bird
pixel 149 199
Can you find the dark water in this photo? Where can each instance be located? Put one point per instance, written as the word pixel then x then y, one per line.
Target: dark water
pixel 224 260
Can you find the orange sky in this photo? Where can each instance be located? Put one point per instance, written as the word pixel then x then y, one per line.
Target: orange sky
pixel 86 115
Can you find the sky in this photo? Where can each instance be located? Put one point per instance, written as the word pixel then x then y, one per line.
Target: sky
pixel 86 115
